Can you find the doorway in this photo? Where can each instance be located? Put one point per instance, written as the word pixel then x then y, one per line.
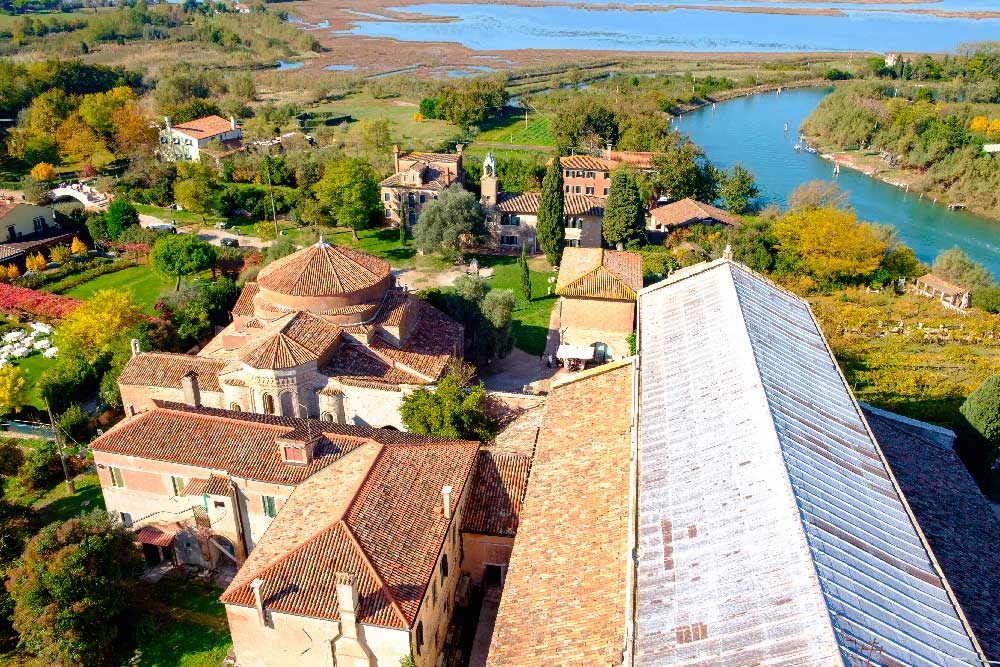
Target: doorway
pixel 152 554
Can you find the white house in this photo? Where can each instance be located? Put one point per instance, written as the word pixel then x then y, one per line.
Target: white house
pixel 187 140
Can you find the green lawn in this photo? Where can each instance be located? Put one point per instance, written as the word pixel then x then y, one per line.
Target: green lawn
pixel 190 625
pixel 53 504
pixel 142 282
pixel 181 217
pixel 509 128
pixel 427 134
pixel 530 320
pixel 33 367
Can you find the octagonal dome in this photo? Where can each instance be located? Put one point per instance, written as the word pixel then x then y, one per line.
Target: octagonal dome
pixel 325 279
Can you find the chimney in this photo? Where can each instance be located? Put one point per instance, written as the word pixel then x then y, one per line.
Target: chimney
pixel 349 648
pixel 166 119
pixel 232 122
pixel 607 151
pixel 446 497
pixel 395 158
pixel 130 410
pixel 259 601
pixel 192 394
pixel 135 347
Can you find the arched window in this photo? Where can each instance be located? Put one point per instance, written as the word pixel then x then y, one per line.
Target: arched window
pixel 327 417
pixel 235 407
pixel 409 198
pixel 268 404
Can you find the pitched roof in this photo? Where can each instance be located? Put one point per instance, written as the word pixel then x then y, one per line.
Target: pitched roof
pixel 564 597
pixel 688 210
pixel 292 341
pixel 237 443
pixel 494 505
pixel 432 179
pixel 323 269
pixel 29 242
pixel 434 340
pixel 949 289
pixel 440 158
pixel 356 365
pixel 767 516
pixel 165 369
pixel 204 128
pixel 640 159
pixel 956 518
pixel 528 202
pixel 375 514
pixel 244 304
pixel 588 162
pixel 598 273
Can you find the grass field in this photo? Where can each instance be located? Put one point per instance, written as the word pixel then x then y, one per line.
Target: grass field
pixel 33 367
pixel 190 626
pixel 182 217
pixel 410 134
pixel 509 128
pixel 530 319
pixel 142 282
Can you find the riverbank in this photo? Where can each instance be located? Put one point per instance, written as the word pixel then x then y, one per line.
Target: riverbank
pixel 873 166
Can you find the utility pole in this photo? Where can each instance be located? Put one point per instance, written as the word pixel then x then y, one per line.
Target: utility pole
pixel 70 486
pixel 274 211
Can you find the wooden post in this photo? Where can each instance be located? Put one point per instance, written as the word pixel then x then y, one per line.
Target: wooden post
pixel 70 486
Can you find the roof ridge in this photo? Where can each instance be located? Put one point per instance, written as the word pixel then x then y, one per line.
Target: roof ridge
pixel 393 604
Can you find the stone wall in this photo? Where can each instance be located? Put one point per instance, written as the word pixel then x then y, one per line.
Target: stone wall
pixel 482 550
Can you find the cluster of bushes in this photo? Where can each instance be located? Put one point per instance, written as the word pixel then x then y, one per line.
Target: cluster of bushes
pixel 197 308
pixel 468 103
pixel 41 281
pixel 485 312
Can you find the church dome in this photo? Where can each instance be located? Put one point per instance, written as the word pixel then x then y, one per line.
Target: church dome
pixel 325 279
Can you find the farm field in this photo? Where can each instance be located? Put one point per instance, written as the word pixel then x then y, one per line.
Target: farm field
pixel 410 134
pixel 509 128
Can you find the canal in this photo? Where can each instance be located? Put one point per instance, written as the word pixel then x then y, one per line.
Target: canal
pixel 750 130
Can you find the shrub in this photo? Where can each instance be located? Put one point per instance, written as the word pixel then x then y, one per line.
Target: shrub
pixel 978 427
pixel 78 247
pixel 20 301
pixel 987 299
pixel 43 172
pixel 71 380
pixel 75 426
pixel 60 254
pixel 41 467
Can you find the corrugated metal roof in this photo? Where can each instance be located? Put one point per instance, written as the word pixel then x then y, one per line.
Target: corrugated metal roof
pixel 770 530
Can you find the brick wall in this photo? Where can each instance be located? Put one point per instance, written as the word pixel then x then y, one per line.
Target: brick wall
pixel 482 550
pixel 598 314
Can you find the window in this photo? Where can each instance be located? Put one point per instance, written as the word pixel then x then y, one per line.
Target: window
pixel 508 240
pixel 39 223
pixel 388 214
pixel 178 485
pixel 187 142
pixel 409 197
pixel 434 593
pixel 578 189
pixel 590 174
pixel 268 404
pixel 589 190
pixel 569 173
pixel 579 173
pixel 163 140
pixel 573 243
pixel 412 218
pixel 567 188
pixel 116 477
pixel 177 141
pixel 423 198
pixel 267 502
pixel 126 519
pixel 386 196
pixel 605 174
pixel 235 407
pixel 419 640
pixel 444 568
pixel 605 192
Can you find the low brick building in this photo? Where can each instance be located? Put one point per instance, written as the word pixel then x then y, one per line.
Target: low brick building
pixel 322 333
pixel 687 212
pixel 591 174
pixel 417 179
pixel 597 293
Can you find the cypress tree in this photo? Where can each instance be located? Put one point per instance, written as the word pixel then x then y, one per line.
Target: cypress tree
pixel 623 214
pixel 525 275
pixel 551 233
pixel 978 427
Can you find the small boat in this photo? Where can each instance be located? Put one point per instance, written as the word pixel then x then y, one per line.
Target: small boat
pixel 798 147
pixel 810 149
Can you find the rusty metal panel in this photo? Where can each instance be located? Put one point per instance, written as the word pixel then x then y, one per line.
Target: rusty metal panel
pixel 770 532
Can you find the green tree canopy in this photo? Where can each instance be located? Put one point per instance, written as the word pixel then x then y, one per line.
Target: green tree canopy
pixel 178 255
pixel 74 592
pixel 623 212
pixel 196 188
pixel 452 410
pixel 349 193
pixel 682 170
pixel 468 103
pixel 739 191
pixel 978 427
pixel 957 267
pixel 453 219
pixel 525 274
pixel 550 226
pixel 119 216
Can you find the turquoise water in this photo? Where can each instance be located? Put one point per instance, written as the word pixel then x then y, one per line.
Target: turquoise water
pixel 504 27
pixel 750 130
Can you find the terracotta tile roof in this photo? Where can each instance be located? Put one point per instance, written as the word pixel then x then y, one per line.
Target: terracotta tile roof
pixel 640 159
pixel 154 536
pixel 356 365
pixel 236 442
pixel 434 339
pixel 165 369
pixel 433 180
pixel 956 519
pixel 564 598
pixel 520 434
pixel 195 486
pixel 494 505
pixel 295 340
pixel 587 162
pixel 527 203
pixel 440 158
pixel 244 305
pixel 322 269
pixel 31 242
pixel 388 533
pixel 204 128
pixel 934 282
pixel 687 211
pixel 393 306
pixel 218 485
pixel 597 273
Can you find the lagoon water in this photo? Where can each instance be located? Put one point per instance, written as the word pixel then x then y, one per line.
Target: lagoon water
pixel 750 130
pixel 491 26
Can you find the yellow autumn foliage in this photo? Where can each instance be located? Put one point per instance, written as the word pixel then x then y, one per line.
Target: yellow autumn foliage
pixel 829 244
